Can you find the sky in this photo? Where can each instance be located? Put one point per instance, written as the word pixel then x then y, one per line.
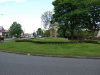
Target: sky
pixel 26 12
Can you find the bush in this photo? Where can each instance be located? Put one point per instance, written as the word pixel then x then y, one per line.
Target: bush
pixel 23 40
pixel 48 41
pixel 91 41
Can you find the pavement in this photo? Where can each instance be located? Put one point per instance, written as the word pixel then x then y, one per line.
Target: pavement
pixel 15 64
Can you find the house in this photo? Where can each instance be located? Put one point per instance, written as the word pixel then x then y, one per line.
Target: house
pixel 2 31
pixel 26 35
pixel 54 29
pixel 98 35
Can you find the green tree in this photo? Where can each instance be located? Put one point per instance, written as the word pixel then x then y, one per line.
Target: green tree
pixel 15 30
pixel 94 17
pixel 63 17
pixel 76 15
pixel 39 32
pixel 46 33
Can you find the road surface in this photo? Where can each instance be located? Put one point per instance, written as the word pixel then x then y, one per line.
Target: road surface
pixel 15 64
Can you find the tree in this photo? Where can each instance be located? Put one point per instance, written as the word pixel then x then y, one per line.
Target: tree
pixel 46 33
pixel 94 17
pixel 34 34
pixel 75 15
pixel 39 32
pixel 15 30
pixel 63 17
pixel 46 19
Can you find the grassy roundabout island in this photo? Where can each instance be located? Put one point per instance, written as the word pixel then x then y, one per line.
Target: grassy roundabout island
pixel 64 49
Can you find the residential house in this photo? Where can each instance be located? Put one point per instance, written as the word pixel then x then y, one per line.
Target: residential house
pixel 2 31
pixel 98 35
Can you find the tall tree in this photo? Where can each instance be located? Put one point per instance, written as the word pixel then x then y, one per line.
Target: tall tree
pixel 94 17
pixel 75 16
pixel 63 17
pixel 15 30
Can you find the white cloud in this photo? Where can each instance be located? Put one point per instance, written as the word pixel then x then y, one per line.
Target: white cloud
pixel 2 1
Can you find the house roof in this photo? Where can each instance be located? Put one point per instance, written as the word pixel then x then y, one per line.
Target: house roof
pixel 1 29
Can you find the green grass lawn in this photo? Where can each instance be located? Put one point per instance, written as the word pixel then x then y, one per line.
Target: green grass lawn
pixel 64 50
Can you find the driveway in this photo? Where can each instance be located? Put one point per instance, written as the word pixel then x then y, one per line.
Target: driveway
pixel 15 64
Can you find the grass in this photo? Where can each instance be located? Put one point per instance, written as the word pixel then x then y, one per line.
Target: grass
pixel 64 50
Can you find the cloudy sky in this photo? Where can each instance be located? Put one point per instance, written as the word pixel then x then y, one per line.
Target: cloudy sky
pixel 26 12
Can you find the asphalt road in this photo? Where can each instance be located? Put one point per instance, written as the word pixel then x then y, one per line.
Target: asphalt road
pixel 14 64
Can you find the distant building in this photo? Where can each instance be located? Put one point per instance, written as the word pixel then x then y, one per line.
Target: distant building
pixel 2 31
pixel 98 35
pixel 27 35
pixel 6 34
pixel 54 29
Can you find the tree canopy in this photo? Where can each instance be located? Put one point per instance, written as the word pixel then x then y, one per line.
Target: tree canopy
pixel 39 32
pixel 77 15
pixel 15 30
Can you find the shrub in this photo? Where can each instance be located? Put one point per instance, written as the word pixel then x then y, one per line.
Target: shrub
pixel 43 41
pixel 91 41
pixel 23 40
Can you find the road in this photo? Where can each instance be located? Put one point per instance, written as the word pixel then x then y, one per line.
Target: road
pixel 15 64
